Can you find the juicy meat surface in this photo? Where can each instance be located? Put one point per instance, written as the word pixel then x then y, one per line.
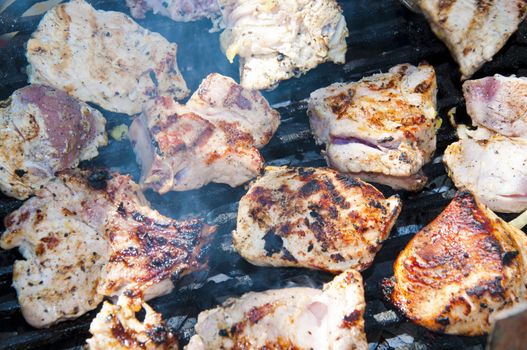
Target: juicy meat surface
pixel 473 30
pixel 213 138
pixel 177 10
pixel 277 40
pixel 498 103
pixel 84 238
pixel 42 131
pixel 291 318
pixel 119 65
pixel 462 268
pixel 492 167
pixel 384 124
pixel 313 217
pixel 116 327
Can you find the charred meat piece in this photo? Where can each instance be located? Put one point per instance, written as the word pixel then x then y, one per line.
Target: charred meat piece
pixel 116 327
pixel 473 30
pixel 177 10
pixel 213 138
pixel 291 318
pixel 313 217
pixel 119 65
pixel 462 268
pixel 498 103
pixel 83 238
pixel 277 40
pixel 492 166
pixel 42 131
pixel 382 127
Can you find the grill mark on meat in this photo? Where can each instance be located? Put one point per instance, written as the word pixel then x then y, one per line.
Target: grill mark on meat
pixel 508 257
pixel 257 313
pixel 351 319
pixel 235 98
pixel 273 243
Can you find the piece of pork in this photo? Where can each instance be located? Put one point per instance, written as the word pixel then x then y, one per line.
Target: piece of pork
pixel 460 270
pixel 473 30
pixel 498 103
pixel 491 166
pixel 43 130
pixel 177 10
pixel 277 40
pixel 83 238
pixel 314 218
pixel 384 125
pixel 103 57
pixel 291 318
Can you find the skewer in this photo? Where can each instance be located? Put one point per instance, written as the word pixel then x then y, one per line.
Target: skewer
pixel 521 221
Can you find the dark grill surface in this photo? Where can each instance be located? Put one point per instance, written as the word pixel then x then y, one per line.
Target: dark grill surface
pixel 382 34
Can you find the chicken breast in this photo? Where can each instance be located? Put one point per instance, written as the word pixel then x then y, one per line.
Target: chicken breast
pixel 492 167
pixel 177 10
pixel 473 30
pixel 42 131
pixel 84 238
pixel 292 318
pixel 213 138
pixel 498 103
pixel 313 217
pixel 277 40
pixel 462 268
pixel 116 327
pixel 118 66
pixel 382 127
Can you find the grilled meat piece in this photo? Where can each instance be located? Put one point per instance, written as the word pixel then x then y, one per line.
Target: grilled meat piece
pixel 119 65
pixel 384 124
pixel 462 268
pixel 42 131
pixel 473 30
pixel 213 138
pixel 291 318
pixel 116 327
pixel 277 40
pixel 492 167
pixel 498 103
pixel 84 238
pixel 313 217
pixel 177 10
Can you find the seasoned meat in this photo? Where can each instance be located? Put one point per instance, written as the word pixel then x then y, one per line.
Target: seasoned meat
pixel 119 65
pixel 116 327
pixel 42 131
pixel 277 40
pixel 493 167
pixel 462 268
pixel 473 30
pixel 384 125
pixel 177 10
pixel 313 217
pixel 213 138
pixel 498 103
pixel 84 238
pixel 292 318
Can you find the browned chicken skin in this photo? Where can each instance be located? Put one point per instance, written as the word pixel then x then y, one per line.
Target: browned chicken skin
pixel 462 268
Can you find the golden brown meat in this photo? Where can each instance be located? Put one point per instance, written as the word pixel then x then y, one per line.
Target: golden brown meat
pixel 462 268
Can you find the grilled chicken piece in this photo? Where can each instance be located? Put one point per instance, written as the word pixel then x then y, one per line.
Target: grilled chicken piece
pixel 473 30
pixel 498 103
pixel 277 40
pixel 492 167
pixel 292 318
pixel 42 131
pixel 81 243
pixel 177 10
pixel 457 272
pixel 213 138
pixel 116 327
pixel 119 65
pixel 313 217
pixel 384 125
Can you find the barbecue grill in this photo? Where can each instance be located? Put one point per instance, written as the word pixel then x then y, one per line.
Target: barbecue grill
pixel 383 33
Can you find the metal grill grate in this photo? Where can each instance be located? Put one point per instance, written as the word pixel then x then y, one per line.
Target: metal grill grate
pixel 382 33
